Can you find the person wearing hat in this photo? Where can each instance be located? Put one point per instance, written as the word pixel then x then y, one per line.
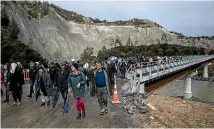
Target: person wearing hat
pixel 76 84
pixel 43 82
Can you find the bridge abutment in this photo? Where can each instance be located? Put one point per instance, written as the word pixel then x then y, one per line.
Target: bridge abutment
pixel 188 86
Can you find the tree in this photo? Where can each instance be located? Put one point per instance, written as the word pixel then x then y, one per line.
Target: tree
pixel 97 20
pixel 129 42
pixel 4 18
pixel 169 52
pixel 87 54
pixel 160 52
pixel 14 29
pixel 102 54
pixel 118 42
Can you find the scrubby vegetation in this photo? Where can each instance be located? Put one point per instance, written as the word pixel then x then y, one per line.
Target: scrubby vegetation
pixel 12 48
pixel 150 50
pixel 35 9
pixel 181 36
pixel 87 54
pixel 144 50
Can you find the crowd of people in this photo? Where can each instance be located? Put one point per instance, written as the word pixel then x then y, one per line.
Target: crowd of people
pixel 70 78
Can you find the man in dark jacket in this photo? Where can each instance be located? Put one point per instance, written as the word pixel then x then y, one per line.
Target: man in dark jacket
pixel 21 75
pixel 52 72
pixel 15 84
pixel 90 77
pixel 111 69
pixel 32 77
pixel 123 69
pixel 61 81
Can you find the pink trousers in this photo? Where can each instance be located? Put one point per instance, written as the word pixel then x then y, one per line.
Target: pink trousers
pixel 80 104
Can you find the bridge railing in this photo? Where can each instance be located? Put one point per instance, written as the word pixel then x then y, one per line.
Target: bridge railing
pixel 151 70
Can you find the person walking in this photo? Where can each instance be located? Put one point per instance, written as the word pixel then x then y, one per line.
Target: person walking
pixel 61 81
pixel 123 70
pixel 111 70
pixel 101 86
pixel 5 79
pixel 90 78
pixel 32 78
pixel 43 82
pixel 52 71
pixel 76 84
pixel 21 75
pixel 15 84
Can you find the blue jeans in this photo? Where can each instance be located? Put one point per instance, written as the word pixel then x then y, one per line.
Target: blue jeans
pixel 31 86
pixel 90 87
pixel 64 95
pixel 31 83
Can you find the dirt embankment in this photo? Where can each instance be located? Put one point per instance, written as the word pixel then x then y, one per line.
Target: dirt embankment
pixel 168 112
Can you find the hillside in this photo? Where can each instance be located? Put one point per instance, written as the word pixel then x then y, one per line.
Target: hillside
pixel 60 34
pixel 11 48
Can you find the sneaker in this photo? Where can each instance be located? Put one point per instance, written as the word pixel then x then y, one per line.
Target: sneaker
pixel 14 103
pixel 78 116
pixel 102 112
pixel 18 103
pixel 29 96
pixel 91 98
pixel 83 114
pixel 43 103
pixel 106 110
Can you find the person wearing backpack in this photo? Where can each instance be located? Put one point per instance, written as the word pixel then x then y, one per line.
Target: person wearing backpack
pixel 76 84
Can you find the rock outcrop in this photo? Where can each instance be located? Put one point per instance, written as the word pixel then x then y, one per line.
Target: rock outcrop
pixel 55 38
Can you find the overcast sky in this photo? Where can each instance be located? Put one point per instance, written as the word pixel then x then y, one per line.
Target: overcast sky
pixel 193 18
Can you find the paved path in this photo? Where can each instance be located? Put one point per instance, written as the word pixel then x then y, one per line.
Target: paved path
pixel 31 115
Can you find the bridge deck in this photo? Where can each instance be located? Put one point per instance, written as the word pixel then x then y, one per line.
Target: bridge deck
pixel 31 115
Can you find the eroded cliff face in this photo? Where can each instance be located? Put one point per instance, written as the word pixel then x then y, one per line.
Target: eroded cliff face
pixel 56 38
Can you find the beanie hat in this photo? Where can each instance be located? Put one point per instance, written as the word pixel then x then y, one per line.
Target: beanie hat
pixel 75 65
pixel 41 67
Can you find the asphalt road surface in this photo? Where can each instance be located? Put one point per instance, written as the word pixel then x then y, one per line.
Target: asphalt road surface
pixel 31 115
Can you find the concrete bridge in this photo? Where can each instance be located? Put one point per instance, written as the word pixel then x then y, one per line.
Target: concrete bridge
pixel 153 76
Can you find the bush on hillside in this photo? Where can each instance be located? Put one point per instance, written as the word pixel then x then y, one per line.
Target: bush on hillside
pixel 12 48
pixel 150 50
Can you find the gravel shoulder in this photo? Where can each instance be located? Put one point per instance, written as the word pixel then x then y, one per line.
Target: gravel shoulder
pixel 171 112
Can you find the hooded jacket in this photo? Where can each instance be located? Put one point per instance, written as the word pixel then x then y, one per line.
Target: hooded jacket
pixel 73 80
